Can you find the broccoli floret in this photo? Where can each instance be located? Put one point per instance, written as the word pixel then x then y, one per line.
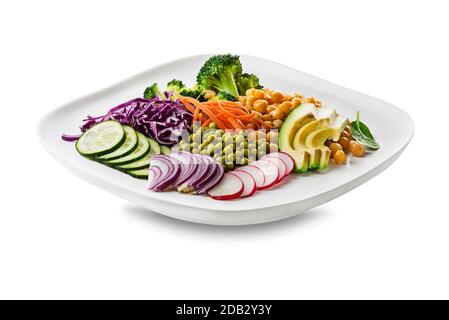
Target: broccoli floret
pixel 247 81
pixel 219 73
pixel 195 92
pixel 223 95
pixel 175 85
pixel 153 91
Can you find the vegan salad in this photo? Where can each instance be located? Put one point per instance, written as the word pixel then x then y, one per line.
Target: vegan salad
pixel 226 137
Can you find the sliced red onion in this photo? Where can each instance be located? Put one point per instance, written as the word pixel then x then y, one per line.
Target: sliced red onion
pixel 198 176
pixel 215 178
pixel 154 174
pixel 188 163
pixel 70 137
pixel 170 169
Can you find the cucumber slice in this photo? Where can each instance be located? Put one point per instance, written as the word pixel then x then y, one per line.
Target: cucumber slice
pixel 155 147
pixel 137 165
pixel 140 174
pixel 143 148
pixel 165 150
pixel 101 139
pixel 126 148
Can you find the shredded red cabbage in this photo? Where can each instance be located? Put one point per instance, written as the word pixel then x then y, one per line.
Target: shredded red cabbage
pixel 162 120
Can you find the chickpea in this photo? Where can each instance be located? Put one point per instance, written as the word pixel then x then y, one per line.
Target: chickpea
pixel 334 148
pixel 250 100
pixel 260 105
pixel 288 97
pixel 251 126
pixel 356 148
pixel 259 94
pixel 277 96
pixel 277 114
pixel 267 124
pixel 271 108
pixel 250 92
pixel 277 123
pixel 269 98
pixel 267 117
pixel 340 157
pixel 286 107
pixel 256 115
pixel 299 95
pixel 344 142
pixel 296 102
pixel 242 100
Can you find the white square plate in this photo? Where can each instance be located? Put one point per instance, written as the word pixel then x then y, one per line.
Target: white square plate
pixel 391 126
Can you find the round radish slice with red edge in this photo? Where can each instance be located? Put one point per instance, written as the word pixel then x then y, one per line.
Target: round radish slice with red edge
pixel 230 187
pixel 256 173
pixel 249 185
pixel 288 160
pixel 270 171
pixel 280 164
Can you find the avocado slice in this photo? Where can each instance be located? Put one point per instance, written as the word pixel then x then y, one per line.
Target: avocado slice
pixel 300 116
pixel 304 132
pixel 299 141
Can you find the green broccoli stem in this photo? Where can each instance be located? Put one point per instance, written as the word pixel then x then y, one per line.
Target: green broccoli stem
pixel 229 85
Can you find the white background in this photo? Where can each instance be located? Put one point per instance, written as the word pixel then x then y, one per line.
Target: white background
pixel 63 238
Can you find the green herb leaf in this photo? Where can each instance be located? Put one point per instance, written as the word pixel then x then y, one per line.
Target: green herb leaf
pixel 362 134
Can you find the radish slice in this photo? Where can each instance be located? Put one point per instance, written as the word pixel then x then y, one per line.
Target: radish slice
pixel 249 185
pixel 230 187
pixel 288 160
pixel 270 171
pixel 256 173
pixel 280 164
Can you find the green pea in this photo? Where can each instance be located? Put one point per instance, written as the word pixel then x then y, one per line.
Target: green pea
pixel 228 149
pixel 196 138
pixel 218 148
pixel 204 152
pixel 262 146
pixel 252 155
pixel 230 158
pixel 239 154
pixel 210 149
pixel 219 159
pixel 213 125
pixel 252 146
pixel 228 140
pixel 195 150
pixel 239 139
pixel 218 141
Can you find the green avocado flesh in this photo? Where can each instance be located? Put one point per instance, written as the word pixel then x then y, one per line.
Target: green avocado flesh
pixel 304 133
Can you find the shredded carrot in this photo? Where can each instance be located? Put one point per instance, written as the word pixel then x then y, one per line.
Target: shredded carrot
pixel 225 114
pixel 206 123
